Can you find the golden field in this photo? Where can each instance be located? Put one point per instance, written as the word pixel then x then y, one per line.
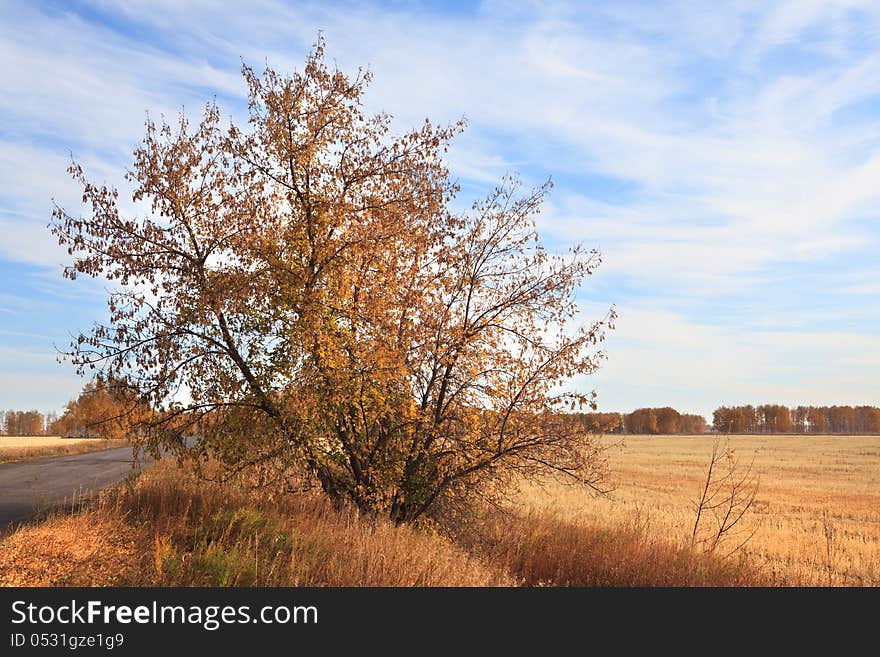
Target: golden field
pixel 816 515
pixel 20 448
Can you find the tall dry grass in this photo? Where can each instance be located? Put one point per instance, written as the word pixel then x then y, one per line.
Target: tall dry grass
pixel 545 549
pixel 170 529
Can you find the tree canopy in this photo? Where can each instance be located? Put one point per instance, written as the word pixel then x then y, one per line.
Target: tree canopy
pixel 106 408
pixel 299 293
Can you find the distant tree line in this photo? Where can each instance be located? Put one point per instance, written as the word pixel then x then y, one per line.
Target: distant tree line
pixel 102 411
pixel 765 418
pixel 775 418
pixel 26 423
pixel 106 408
pixel 664 420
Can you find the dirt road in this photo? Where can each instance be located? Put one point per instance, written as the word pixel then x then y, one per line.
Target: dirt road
pixel 27 487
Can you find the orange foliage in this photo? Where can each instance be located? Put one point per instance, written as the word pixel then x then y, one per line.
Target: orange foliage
pixel 305 284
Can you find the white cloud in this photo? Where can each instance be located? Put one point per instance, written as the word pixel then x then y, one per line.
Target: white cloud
pixel 607 100
pixel 661 358
pixel 731 163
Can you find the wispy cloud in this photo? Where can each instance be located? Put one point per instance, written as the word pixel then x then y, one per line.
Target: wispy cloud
pixel 659 358
pixel 723 156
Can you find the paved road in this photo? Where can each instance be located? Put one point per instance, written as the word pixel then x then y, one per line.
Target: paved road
pixel 30 486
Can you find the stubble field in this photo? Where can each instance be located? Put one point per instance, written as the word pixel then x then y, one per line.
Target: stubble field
pixel 816 516
pixel 21 448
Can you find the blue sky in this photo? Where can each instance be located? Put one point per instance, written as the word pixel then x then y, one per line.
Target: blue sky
pixel 725 158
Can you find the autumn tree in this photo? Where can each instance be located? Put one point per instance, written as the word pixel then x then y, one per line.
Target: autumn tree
pixel 723 419
pixel 776 418
pixel 869 419
pixel 749 421
pixel 816 420
pixel 641 421
pixel 23 423
pixel 602 422
pixel 735 419
pixel 799 417
pixel 10 423
pixel 783 419
pixel 299 293
pixel 667 419
pixel 32 423
pixel 689 423
pixel 106 408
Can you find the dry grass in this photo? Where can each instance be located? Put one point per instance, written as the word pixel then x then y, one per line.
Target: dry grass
pixel 25 448
pixel 91 549
pixel 817 511
pixel 167 529
pixel 542 549
pixel 817 514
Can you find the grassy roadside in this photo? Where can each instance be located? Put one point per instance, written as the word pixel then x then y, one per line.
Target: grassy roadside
pixel 168 529
pixel 59 447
